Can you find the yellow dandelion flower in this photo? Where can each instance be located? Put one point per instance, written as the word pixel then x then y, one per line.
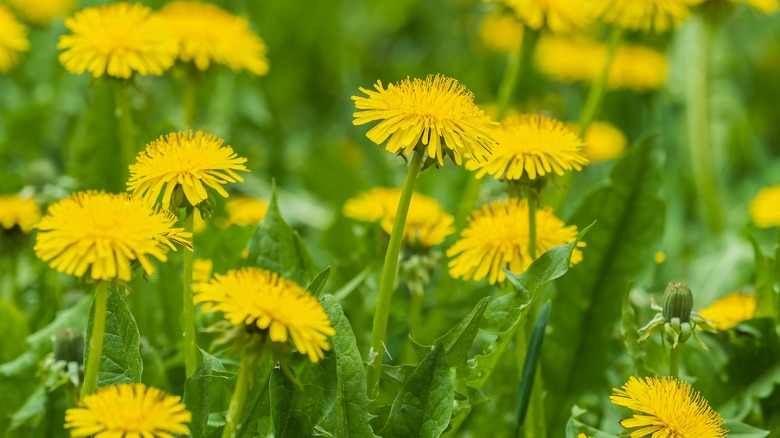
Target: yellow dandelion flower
pixel 660 257
pixel 638 68
pixel 603 142
pixel 765 207
pixel 201 270
pixel 207 33
pixel 646 15
pixel 426 110
pixel 534 145
pixel 104 233
pixel 496 237
pixel 245 211
pixel 190 161
pixel 765 6
pixel 13 39
pixel 43 11
pixel 560 16
pixel 273 303
pixel 582 435
pixel 667 407
pixel 128 410
pixel 501 32
pixel 16 211
pixel 729 311
pixel 118 39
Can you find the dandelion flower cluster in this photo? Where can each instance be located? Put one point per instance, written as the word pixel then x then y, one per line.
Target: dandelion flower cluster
pixel 183 159
pixel 729 311
pixel 207 33
pixel 764 208
pixel 496 237
pixel 16 211
pixel 258 297
pixel 104 233
pixel 666 407
pixel 43 11
pixel 427 223
pixel 128 410
pixel 13 39
pixel 646 15
pixel 532 145
pixel 501 32
pixel 560 16
pixel 245 211
pixel 118 39
pixel 426 111
pixel 603 141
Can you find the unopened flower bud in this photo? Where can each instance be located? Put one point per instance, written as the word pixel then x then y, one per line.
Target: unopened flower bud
pixel 69 346
pixel 678 302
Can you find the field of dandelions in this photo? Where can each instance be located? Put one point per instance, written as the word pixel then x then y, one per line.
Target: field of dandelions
pixel 390 218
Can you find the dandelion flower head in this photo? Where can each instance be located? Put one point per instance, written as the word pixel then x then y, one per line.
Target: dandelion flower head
pixel 103 233
pixel 128 410
pixel 560 16
pixel 665 407
pixel 729 311
pixel 13 39
pixel 201 270
pixel 496 237
pixel 43 11
pixel 207 33
pixel 501 32
pixel 603 142
pixel 765 207
pixel 16 211
pixel 428 111
pixel 118 39
pixel 646 15
pixel 258 297
pixel 532 145
pixel 190 161
pixel 245 211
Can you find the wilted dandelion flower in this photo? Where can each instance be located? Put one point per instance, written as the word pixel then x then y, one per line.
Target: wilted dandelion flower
pixel 501 32
pixel 207 33
pixel 16 211
pixel 251 296
pixel 128 410
pixel 183 159
pixel 560 16
pixel 13 39
pixel 646 15
pixel 765 207
pixel 532 145
pixel 729 311
pixel 496 237
pixel 104 233
pixel 118 39
pixel 245 211
pixel 43 11
pixel 665 407
pixel 603 141
pixel 427 111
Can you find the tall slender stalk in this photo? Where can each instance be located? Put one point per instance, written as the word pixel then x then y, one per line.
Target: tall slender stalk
pixel 243 383
pixel 674 362
pixel 190 95
pixel 190 347
pixel 596 92
pixel 96 339
pixel 532 195
pixel 387 280
pixel 125 125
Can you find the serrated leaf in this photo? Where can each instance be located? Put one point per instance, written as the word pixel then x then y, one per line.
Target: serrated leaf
pixel 424 405
pixel 255 419
pixel 197 393
pixel 630 218
pixel 742 430
pixel 458 341
pixel 121 360
pixel 349 416
pixel 318 284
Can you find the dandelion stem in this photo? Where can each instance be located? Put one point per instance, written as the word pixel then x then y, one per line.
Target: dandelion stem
pixel 596 92
pixel 190 95
pixel 674 362
pixel 190 347
pixel 416 302
pixel 126 126
pixel 243 383
pixel 96 339
pixel 532 224
pixel 387 281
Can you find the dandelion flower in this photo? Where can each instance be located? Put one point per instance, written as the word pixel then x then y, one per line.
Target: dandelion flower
pixel 104 233
pixel 667 407
pixel 43 11
pixel 128 410
pixel 533 145
pixel 427 110
pixel 603 142
pixel 245 211
pixel 258 297
pixel 765 208
pixel 16 211
pixel 118 39
pixel 646 15
pixel 207 33
pixel 190 161
pixel 13 39
pixel 501 32
pixel 560 16
pixel 496 237
pixel 582 435
pixel 730 310
pixel 201 270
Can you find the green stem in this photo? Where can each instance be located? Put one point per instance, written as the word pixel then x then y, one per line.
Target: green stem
pixel 532 224
pixel 674 362
pixel 96 339
pixel 190 347
pixel 415 321
pixel 514 64
pixel 596 92
pixel 387 279
pixel 126 127
pixel 190 95
pixel 243 383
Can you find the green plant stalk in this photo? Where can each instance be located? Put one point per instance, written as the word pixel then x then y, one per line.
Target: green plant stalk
pixel 243 383
pixel 597 89
pixel 416 301
pixel 126 126
pixel 190 95
pixel 674 362
pixel 96 339
pixel 190 347
pixel 387 279
pixel 532 196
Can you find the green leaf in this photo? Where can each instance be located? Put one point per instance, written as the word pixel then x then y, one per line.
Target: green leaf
pixel 424 404
pixel 295 410
pixel 630 218
pixel 575 427
pixel 741 430
pixel 459 340
pixel 277 247
pixel 531 361
pixel 255 420
pixel 197 393
pixel 766 294
pixel 629 328
pixel 349 417
pixel 318 284
pixel 13 326
pixel 121 360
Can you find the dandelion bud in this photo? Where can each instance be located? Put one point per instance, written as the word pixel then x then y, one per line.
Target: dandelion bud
pixel 69 346
pixel 678 302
